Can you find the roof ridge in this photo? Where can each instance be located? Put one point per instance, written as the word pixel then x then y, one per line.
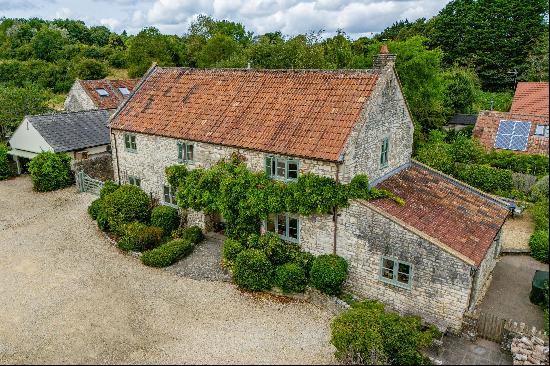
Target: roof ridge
pixel 67 112
pixel 332 71
pixel 515 113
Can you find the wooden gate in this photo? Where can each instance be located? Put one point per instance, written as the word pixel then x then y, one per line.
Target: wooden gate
pixel 86 183
pixel 490 327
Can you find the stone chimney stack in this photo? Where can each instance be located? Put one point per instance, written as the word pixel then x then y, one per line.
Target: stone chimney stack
pixel 384 58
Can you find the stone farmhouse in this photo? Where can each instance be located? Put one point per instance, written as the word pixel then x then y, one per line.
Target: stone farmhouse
pixel 98 94
pixel 432 257
pixel 524 129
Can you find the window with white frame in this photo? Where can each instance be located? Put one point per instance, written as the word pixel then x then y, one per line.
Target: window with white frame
pixel 135 181
pixel 396 272
pixel 130 142
pixel 286 225
pixel 384 152
pixel 541 130
pixel 282 168
pixel 169 194
pixel 185 152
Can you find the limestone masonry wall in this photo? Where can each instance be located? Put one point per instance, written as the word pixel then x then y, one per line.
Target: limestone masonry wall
pixel 78 99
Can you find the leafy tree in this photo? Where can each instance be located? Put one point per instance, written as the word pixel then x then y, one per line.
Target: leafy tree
pixel 99 35
pixel 217 48
pixel 460 90
pixel 89 69
pixel 47 43
pixel 338 52
pixel 76 29
pixel 537 62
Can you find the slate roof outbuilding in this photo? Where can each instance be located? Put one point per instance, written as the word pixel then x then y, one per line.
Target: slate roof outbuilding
pixel 115 97
pixel 531 98
pixel 303 113
pixel 463 119
pixel 69 131
pixel 458 216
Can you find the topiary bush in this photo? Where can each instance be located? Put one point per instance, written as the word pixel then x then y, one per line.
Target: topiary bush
pixel 108 187
pixel 167 254
pixel 290 277
pixel 139 237
pixel 94 208
pixel 252 270
pixel 231 248
pixel 125 205
pixel 5 168
pixel 192 233
pixel 166 218
pixel 304 260
pixel 328 273
pixel 539 245
pixel 50 171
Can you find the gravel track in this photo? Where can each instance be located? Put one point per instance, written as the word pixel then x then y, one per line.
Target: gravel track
pixel 68 296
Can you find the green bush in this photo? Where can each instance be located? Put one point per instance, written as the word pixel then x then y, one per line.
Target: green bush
pixel 290 277
pixel 193 234
pixel 167 254
pixel 540 214
pixel 437 155
pixel 252 270
pixel 519 163
pixel 50 171
pixel 304 260
pixel 328 273
pixel 539 190
pixel 277 250
pixel 94 208
pixel 139 237
pixel 539 245
pixel 366 334
pixel 466 150
pixel 231 248
pixel 5 169
pixel 125 205
pixel 108 187
pixel 486 178
pixel 101 218
pixel 166 218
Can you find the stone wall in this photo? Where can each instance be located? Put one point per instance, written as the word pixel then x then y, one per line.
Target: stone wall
pixel 98 166
pixel 78 99
pixel 484 273
pixel 441 282
pixel 386 115
pixel 155 153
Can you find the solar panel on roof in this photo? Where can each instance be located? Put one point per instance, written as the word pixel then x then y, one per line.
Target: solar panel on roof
pixel 512 135
pixel 102 92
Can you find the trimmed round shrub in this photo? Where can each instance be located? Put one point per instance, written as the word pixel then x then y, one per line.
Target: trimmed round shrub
pixel 94 208
pixel 290 277
pixel 101 219
pixel 50 171
pixel 277 250
pixel 167 254
pixel 252 270
pixel 166 218
pixel 539 245
pixel 125 205
pixel 5 169
pixel 328 273
pixel 192 233
pixel 304 260
pixel 108 187
pixel 231 248
pixel 139 237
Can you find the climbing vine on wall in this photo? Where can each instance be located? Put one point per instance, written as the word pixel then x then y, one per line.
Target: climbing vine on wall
pixel 245 198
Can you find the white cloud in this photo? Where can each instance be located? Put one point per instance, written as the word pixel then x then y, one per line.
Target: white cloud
pixel 63 13
pixel 111 23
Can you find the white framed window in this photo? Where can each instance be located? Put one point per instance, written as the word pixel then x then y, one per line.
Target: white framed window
pixel 541 130
pixel 282 168
pixel 396 272
pixel 130 142
pixel 384 152
pixel 185 152
pixel 169 195
pixel 102 92
pixel 287 226
pixel 135 181
pixel 124 91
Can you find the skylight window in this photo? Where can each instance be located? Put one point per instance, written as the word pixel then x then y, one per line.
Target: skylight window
pixel 124 91
pixel 102 92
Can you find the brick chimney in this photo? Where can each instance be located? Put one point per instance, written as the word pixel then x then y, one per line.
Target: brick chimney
pixel 384 58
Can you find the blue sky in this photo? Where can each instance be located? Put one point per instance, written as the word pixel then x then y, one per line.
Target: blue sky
pixel 356 18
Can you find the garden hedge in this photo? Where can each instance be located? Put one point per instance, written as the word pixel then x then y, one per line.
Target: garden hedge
pixel 108 187
pixel 166 218
pixel 50 171
pixel 5 169
pixel 252 270
pixel 304 260
pixel 485 178
pixel 290 277
pixel 139 237
pixel 539 245
pixel 167 254
pixel 231 248
pixel 328 273
pixel 94 208
pixel 125 205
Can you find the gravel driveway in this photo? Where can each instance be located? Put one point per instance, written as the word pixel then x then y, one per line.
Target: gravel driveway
pixel 67 296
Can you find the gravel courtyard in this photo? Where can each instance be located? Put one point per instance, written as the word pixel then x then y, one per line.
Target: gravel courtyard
pixel 67 296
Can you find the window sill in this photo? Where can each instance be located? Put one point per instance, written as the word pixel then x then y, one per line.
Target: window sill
pixel 169 204
pixel 396 284
pixel 130 151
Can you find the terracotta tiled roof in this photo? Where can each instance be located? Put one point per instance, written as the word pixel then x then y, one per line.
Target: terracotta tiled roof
pixel 114 98
pixel 487 124
pixel 444 209
pixel 302 113
pixel 531 98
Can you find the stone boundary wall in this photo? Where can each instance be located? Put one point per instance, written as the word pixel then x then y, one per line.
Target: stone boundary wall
pixel 98 166
pixel 529 351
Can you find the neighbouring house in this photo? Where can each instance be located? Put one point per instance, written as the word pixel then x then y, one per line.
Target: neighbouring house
pixel 81 134
pixel 524 129
pixel 461 121
pixel 432 257
pixel 98 94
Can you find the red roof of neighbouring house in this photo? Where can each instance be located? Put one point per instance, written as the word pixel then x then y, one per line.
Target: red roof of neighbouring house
pixel 115 97
pixel 531 98
pixel 305 113
pixel 458 216
pixel 487 124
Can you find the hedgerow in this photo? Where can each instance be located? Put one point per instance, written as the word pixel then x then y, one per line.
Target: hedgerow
pixel 5 169
pixel 167 254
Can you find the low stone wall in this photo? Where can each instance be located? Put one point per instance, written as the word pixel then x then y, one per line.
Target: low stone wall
pixel 529 351
pixel 98 166
pixel 514 330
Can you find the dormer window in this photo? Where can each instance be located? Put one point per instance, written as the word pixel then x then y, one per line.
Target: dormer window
pixel 124 91
pixel 102 92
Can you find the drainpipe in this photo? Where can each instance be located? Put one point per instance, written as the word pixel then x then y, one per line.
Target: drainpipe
pixel 116 155
pixel 335 214
pixel 471 297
